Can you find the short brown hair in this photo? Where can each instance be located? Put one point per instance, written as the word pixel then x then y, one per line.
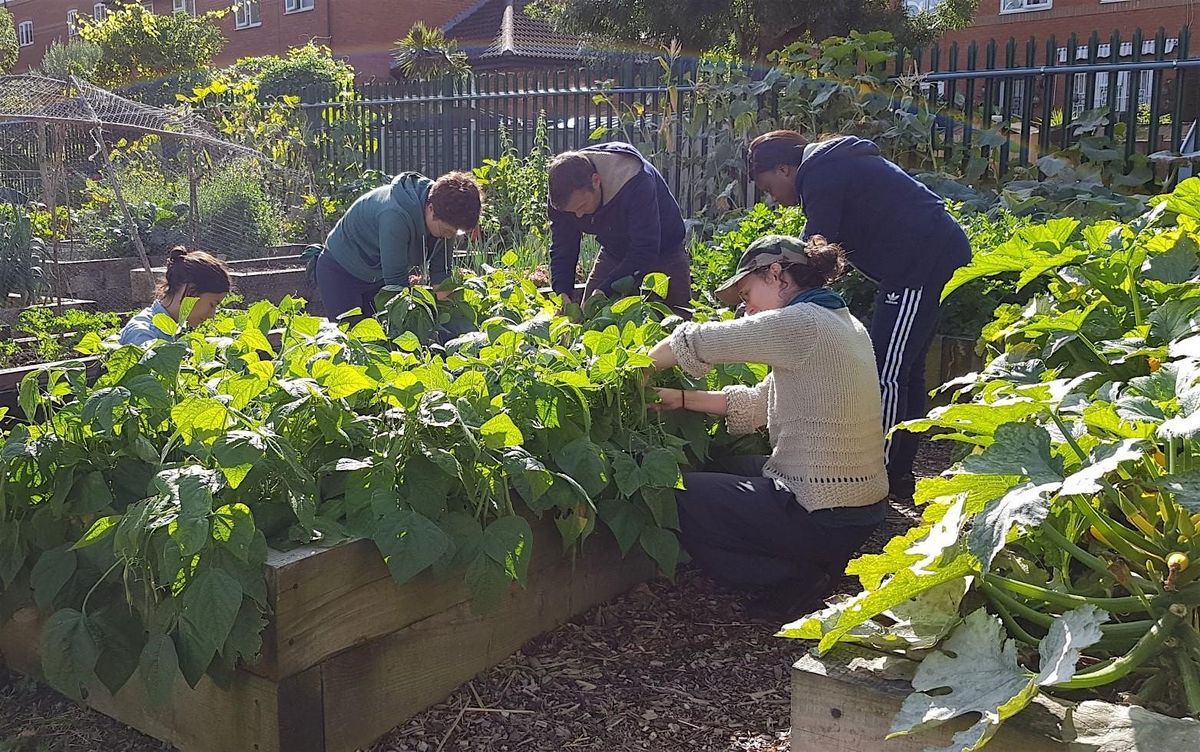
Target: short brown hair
pixel 196 272
pixel 826 264
pixel 569 172
pixel 770 150
pixel 456 200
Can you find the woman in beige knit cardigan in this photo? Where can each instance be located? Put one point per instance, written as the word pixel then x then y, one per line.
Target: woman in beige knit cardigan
pixel 787 523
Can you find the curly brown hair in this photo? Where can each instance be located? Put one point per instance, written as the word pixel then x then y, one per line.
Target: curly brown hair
pixel 456 200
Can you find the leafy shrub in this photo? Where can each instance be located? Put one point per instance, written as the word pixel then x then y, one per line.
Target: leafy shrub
pixel 161 227
pixel 237 217
pixel 309 68
pixel 137 44
pixel 9 49
pixel 75 57
pixel 517 189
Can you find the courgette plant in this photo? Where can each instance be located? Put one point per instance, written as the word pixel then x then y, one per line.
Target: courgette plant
pixel 1060 555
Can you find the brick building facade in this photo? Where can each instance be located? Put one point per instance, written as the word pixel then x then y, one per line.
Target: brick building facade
pixel 1022 19
pixel 361 32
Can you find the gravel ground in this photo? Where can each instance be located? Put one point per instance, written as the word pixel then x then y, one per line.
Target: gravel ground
pixel 668 667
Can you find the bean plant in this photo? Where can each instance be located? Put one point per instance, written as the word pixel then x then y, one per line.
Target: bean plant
pixel 136 512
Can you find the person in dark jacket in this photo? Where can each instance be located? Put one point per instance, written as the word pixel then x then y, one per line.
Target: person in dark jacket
pixel 391 233
pixel 896 232
pixel 610 191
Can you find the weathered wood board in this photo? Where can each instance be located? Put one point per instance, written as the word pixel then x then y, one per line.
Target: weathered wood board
pixel 349 654
pixel 835 709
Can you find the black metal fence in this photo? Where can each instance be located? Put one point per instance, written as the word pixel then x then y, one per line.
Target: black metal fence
pixel 1036 94
pixel 1039 92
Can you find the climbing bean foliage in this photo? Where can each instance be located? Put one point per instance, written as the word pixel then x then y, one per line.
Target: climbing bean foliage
pixel 137 512
pixel 1060 556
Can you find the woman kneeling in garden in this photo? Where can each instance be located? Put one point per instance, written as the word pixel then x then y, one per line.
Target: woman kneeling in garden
pixel 190 274
pixel 788 522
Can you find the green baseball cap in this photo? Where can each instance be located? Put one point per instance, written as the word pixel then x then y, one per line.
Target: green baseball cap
pixel 767 250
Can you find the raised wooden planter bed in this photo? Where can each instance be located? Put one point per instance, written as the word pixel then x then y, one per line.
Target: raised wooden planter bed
pixel 349 655
pixel 8 315
pixel 838 705
pixel 270 279
pixel 948 358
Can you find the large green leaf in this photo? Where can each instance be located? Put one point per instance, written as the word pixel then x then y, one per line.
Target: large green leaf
pixel 70 649
pixel 975 672
pixel 584 462
pixel 54 568
pixel 509 542
pixel 487 582
pixel 345 380
pixel 500 431
pixel 410 543
pixel 158 666
pixel 199 417
pixel 208 607
pixel 1104 459
pixel 1018 449
pixel 191 489
pixel 1023 507
pixel 662 546
pixel 899 588
pixel 626 520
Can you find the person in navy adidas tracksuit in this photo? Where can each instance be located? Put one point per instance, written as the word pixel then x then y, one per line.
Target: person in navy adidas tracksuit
pixel 896 232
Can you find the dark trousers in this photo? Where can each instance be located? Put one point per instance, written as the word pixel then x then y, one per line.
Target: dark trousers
pixel 745 531
pixel 902 328
pixel 677 265
pixel 341 291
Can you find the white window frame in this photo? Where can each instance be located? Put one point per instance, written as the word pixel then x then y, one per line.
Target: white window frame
pixel 25 34
pixel 184 6
pixel 99 12
pixel 243 18
pixel 298 6
pixel 1024 6
pixel 73 23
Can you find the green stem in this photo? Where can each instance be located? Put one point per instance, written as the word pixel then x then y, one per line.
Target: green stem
pixel 96 584
pixel 1126 605
pixel 1092 562
pixel 1116 535
pixel 999 602
pixel 1146 648
pixel 1191 681
pixel 1062 427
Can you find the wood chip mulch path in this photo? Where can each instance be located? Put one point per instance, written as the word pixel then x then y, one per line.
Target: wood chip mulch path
pixel 668 667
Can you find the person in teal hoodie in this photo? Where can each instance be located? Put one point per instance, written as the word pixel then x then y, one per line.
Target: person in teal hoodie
pixel 391 233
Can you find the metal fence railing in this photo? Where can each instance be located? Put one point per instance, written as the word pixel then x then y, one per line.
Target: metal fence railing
pixel 1038 92
pixel 1036 95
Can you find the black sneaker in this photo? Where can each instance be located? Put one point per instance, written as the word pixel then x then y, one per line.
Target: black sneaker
pixel 789 601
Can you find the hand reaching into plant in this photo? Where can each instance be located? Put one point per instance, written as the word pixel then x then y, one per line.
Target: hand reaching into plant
pixel 668 399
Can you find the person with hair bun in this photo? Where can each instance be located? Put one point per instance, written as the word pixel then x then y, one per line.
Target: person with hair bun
pixel 896 232
pixel 789 522
pixel 190 274
pixel 392 233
